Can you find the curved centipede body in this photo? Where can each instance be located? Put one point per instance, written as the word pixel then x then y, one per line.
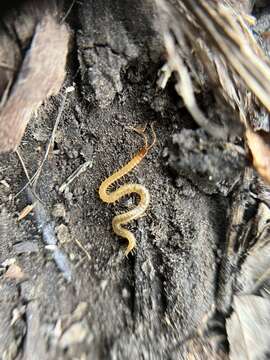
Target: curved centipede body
pixel 127 189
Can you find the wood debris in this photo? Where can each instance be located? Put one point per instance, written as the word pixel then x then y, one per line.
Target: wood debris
pixel 25 211
pixel 80 170
pixel 40 76
pixel 211 48
pixel 209 44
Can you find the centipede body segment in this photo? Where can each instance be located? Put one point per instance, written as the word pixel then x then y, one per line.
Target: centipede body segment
pixel 127 189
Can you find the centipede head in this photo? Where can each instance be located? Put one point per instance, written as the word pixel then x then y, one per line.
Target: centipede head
pixel 141 154
pixel 141 131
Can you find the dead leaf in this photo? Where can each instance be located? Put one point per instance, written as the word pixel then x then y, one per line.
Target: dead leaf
pixel 248 328
pixel 259 145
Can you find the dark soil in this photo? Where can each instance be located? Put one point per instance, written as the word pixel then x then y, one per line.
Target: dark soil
pixel 146 305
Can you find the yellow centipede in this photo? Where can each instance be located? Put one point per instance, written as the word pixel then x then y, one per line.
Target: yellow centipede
pixel 111 197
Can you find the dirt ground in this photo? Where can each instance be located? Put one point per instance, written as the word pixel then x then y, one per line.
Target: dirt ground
pixel 82 298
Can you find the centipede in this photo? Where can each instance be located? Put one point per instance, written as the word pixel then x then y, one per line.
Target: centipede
pixel 127 189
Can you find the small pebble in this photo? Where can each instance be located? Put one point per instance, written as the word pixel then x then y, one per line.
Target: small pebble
pixel 25 247
pixel 63 234
pixel 59 211
pixel 74 335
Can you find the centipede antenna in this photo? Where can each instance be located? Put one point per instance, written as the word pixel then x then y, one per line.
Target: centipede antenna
pixel 154 136
pixel 145 141
pixel 141 131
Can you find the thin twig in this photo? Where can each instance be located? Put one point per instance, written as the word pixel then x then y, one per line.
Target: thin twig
pixel 68 12
pixel 27 174
pixel 34 178
pixel 7 67
pixel 81 169
pixel 6 93
pixel 51 141
pixel 83 249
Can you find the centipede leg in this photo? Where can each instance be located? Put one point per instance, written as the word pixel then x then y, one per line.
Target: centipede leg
pixel 130 248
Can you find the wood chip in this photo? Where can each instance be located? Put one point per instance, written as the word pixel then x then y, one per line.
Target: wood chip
pixel 25 211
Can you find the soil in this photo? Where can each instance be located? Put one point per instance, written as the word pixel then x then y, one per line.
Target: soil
pixel 81 298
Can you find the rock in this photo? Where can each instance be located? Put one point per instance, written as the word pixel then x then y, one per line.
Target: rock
pixel 75 334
